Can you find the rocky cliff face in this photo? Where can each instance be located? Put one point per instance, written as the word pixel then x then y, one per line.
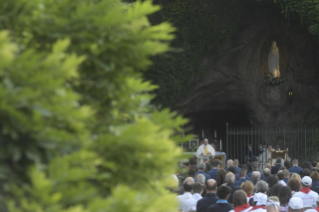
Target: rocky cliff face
pixel 236 82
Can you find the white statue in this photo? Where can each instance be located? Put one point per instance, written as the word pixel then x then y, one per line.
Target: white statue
pixel 273 60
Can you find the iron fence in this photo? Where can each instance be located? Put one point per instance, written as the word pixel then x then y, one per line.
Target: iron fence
pixel 247 144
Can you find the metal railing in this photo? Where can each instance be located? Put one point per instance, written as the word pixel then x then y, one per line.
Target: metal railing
pixel 302 142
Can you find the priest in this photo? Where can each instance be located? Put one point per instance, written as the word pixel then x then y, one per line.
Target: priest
pixel 205 149
pixel 265 157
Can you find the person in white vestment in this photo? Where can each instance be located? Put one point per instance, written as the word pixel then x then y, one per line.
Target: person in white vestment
pixel 205 149
pixel 265 156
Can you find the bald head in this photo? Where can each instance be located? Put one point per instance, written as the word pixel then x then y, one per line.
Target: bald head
pixel 188 180
pixel 205 141
pixel 200 178
pixel 211 186
pixel 230 177
pixel 255 176
pixel 230 162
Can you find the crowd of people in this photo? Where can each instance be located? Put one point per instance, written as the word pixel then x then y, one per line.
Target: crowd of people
pixel 207 187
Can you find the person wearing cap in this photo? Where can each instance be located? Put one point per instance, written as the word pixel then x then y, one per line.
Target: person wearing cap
pixel 273 204
pixel 259 202
pixel 315 209
pixel 308 196
pixel 295 205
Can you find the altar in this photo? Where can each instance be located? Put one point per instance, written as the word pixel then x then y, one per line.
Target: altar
pixel 220 156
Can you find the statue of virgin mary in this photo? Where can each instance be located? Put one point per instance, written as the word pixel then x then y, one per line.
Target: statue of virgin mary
pixel 273 60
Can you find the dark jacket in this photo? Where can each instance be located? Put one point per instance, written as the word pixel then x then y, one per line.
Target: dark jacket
pixel 295 169
pixel 237 177
pixel 264 179
pixel 250 173
pixel 233 189
pixel 275 169
pixel 237 169
pixel 314 184
pixel 205 202
pixel 220 207
pixel 213 173
pixel 240 181
pixel 286 180
pixel 207 176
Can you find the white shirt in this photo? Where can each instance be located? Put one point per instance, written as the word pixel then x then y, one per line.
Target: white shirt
pixel 282 182
pixel 311 210
pixel 183 198
pixel 260 210
pixel 201 149
pixel 190 204
pixel 309 200
pixel 243 210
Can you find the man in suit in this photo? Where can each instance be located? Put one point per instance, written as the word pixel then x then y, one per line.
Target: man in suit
pixel 222 205
pixel 295 168
pixel 201 168
pixel 254 167
pixel 210 198
pixel 242 179
pixel 229 163
pixel 266 173
pixel 213 173
pixel 244 166
pixel 276 168
pixel 230 180
pixel 236 163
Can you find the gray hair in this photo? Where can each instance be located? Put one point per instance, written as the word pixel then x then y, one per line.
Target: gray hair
pixel 268 166
pixel 230 162
pixel 201 166
pixel 261 186
pixel 188 180
pixel 200 178
pixel 236 162
pixel 266 172
pixel 255 176
pixel 230 177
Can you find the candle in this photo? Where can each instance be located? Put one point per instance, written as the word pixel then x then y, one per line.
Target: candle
pixel 203 133
pixel 215 133
pixel 221 146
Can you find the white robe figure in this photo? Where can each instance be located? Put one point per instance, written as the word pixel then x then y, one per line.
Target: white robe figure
pixel 264 157
pixel 273 60
pixel 201 149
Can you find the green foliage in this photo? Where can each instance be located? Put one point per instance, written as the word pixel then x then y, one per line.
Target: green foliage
pixel 202 28
pixel 84 120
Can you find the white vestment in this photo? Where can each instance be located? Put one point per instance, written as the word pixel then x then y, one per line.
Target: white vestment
pixel 264 157
pixel 201 149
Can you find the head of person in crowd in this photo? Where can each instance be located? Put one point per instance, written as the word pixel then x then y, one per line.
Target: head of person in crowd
pixel 286 173
pixel 272 180
pixel 305 172
pixel 230 178
pixel 306 165
pixel 278 161
pixel 268 166
pixel 229 163
pixel 223 192
pixel 275 190
pixel 215 164
pixel 221 176
pixel 284 196
pixel 232 169
pixel 188 179
pixel 192 161
pixel 317 166
pixel 280 175
pixel 269 147
pixel 201 166
pixel 287 164
pixel 248 188
pixel 282 168
pixel 207 168
pixel 273 204
pixel 295 162
pixel 266 172
pixel 306 182
pixel 296 176
pixel 261 187
pixel 211 186
pixel 197 188
pixel 254 166
pixel 187 186
pixel 244 166
pixel 294 185
pixel 192 171
pixel 239 199
pixel 314 176
pixel 255 176
pixel 236 162
pixel 220 163
pixel 242 173
pixel 249 169
pixel 295 205
pixel 259 199
pixel 201 179
pixel 314 164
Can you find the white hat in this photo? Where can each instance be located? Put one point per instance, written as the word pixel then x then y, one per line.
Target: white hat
pixel 260 198
pixel 295 203
pixel 307 181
